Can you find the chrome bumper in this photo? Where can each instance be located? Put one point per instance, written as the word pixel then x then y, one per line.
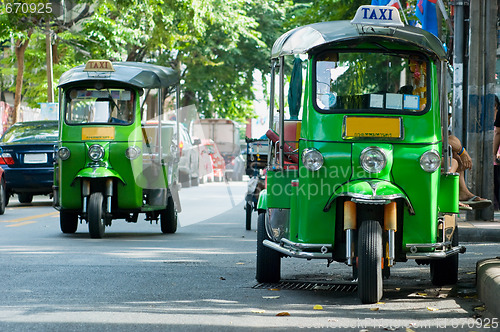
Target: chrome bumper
pixel 443 250
pixel 301 250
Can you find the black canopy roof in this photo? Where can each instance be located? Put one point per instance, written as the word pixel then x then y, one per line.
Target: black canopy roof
pixel 139 74
pixel 309 37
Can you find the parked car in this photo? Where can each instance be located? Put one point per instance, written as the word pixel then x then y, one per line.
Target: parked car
pixel 188 163
pixel 218 164
pixel 28 159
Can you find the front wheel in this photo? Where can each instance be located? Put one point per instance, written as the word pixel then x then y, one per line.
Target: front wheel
pixel 3 196
pixel 370 262
pixel 95 215
pixel 68 222
pixel 168 218
pixel 445 271
pixel 268 260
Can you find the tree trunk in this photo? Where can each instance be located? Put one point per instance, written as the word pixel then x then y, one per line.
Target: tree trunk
pixel 20 49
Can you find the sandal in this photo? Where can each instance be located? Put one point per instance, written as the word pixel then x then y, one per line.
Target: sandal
pixel 477 202
pixel 464 207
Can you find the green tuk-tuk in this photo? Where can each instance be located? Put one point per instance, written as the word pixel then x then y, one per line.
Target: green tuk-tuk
pixel 360 173
pixel 117 150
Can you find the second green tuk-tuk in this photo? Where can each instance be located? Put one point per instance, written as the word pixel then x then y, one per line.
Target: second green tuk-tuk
pixel 361 174
pixel 117 153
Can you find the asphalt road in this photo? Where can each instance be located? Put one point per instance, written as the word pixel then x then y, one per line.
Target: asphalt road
pixel 203 278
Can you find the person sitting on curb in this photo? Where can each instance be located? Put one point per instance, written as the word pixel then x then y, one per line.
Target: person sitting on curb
pixel 460 162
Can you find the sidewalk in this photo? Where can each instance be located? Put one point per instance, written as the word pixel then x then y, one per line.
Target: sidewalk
pixel 487 270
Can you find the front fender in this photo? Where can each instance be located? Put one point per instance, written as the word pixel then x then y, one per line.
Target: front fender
pixel 262 203
pixel 369 189
pixel 98 173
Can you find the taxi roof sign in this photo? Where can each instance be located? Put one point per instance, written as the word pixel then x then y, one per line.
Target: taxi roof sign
pixel 387 16
pixel 99 65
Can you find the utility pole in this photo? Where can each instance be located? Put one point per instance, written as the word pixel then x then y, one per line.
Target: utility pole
pixel 481 93
pixel 50 79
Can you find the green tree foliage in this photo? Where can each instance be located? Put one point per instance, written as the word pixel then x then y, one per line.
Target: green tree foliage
pixel 215 44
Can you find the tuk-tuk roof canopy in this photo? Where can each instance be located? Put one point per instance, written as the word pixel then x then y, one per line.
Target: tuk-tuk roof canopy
pixel 139 74
pixel 309 37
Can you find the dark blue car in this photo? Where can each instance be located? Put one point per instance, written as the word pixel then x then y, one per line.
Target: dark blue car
pixel 27 157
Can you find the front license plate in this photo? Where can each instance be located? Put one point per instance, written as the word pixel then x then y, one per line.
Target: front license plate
pixel 35 158
pixel 372 127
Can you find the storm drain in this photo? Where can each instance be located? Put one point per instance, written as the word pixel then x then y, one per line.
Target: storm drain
pixel 310 286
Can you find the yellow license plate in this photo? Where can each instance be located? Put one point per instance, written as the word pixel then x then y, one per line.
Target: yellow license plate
pixel 372 127
pixel 98 133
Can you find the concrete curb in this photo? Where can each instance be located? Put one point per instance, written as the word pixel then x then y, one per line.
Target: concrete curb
pixel 488 284
pixel 479 231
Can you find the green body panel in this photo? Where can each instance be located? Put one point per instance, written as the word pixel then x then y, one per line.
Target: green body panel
pixel 402 177
pixel 128 192
pixel 114 164
pixel 70 192
pixel 448 193
pixel 279 187
pixel 262 203
pixel 97 173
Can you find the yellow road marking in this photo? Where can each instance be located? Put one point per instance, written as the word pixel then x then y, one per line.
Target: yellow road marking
pixel 22 223
pixel 31 217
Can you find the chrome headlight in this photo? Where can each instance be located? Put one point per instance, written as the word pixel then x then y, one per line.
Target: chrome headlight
pixel 63 153
pixel 96 152
pixel 312 159
pixel 430 161
pixel 132 152
pixel 373 160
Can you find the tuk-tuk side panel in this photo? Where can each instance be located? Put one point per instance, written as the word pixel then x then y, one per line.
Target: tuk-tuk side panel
pixel 279 187
pixel 315 189
pixel 448 193
pixel 70 191
pixel 422 190
pixel 129 194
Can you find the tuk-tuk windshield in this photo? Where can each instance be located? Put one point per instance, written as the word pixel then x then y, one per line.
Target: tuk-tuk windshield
pixel 90 106
pixel 371 81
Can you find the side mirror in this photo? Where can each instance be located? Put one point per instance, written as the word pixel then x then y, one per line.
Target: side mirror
pixel 197 141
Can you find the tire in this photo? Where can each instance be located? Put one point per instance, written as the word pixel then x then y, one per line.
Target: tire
pixel 268 260
pixel 3 197
pixel 195 182
pixel 370 287
pixel 445 271
pixel 68 222
pixel 95 215
pixel 248 209
pixel 168 218
pixel 25 198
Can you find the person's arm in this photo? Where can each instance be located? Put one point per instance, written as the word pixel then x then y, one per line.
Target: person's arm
pixel 457 148
pixel 496 143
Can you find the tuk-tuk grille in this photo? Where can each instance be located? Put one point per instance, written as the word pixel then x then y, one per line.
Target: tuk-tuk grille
pixel 310 286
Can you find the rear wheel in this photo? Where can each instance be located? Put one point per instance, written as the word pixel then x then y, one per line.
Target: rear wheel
pixel 370 262
pixel 25 198
pixel 268 260
pixel 68 222
pixel 3 197
pixel 168 218
pixel 445 271
pixel 248 209
pixel 195 182
pixel 95 215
